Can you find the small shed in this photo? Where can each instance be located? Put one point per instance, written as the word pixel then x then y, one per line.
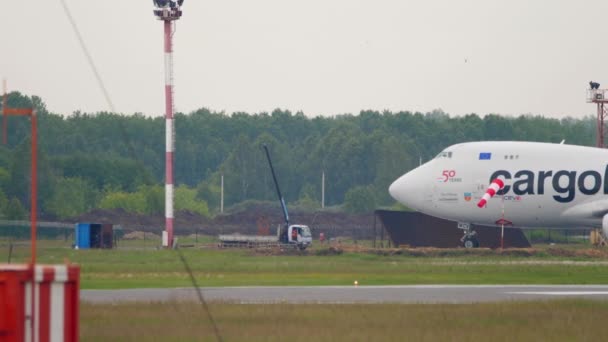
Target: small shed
pixel 94 235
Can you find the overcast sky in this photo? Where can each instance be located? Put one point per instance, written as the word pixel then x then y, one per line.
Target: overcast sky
pixel 322 57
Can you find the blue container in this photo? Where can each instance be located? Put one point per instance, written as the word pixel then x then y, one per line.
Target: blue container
pixel 83 236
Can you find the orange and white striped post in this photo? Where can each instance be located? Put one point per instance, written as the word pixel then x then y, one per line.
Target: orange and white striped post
pixel 37 303
pixel 40 303
pixel 7 111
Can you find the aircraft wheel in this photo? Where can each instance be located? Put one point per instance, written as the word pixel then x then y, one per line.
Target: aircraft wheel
pixel 471 243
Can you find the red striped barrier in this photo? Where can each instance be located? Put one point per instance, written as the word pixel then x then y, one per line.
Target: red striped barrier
pixel 494 187
pixel 51 292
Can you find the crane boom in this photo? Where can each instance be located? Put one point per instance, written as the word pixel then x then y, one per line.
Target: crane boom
pixel 276 184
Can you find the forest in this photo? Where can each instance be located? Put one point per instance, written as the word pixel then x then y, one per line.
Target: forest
pixel 114 160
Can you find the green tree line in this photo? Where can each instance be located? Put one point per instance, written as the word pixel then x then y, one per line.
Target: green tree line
pixel 110 160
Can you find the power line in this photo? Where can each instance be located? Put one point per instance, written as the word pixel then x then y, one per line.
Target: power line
pixel 88 55
pixel 201 298
pixel 100 82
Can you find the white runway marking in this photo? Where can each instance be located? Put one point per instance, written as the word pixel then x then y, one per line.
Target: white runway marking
pixel 562 293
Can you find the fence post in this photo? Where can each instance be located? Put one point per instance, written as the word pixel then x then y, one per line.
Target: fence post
pixel 374 241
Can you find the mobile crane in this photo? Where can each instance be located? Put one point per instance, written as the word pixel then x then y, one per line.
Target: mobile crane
pixel 297 235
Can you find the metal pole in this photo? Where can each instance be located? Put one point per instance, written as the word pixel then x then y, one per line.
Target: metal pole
pixel 382 237
pixel 222 195
pixel 34 189
pixel 170 137
pixel 600 126
pixel 502 226
pixel 323 190
pixel 374 241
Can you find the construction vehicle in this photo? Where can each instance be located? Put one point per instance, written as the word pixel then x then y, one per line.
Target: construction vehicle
pixel 296 235
pixel 302 238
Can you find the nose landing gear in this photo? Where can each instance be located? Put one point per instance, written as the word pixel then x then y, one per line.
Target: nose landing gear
pixel 469 240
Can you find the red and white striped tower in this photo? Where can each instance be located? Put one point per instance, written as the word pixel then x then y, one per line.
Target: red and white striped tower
pixel 168 11
pixel 170 137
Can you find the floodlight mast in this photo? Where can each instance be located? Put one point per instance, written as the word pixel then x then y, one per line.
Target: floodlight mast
pixel 600 98
pixel 168 11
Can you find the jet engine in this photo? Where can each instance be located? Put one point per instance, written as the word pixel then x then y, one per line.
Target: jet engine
pixel 605 225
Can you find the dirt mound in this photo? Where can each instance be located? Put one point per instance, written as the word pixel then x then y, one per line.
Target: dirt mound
pixel 245 219
pixel 456 252
pixel 129 221
pixel 277 251
pixel 329 251
pixel 437 252
pixel 584 253
pixel 520 252
pixel 139 235
pixel 592 253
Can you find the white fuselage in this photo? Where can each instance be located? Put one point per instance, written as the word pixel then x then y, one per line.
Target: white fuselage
pixel 546 185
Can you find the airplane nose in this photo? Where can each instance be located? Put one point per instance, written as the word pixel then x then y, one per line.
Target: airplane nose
pixel 405 189
pixel 392 189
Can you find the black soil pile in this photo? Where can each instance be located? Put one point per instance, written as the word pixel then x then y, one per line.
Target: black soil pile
pixel 252 219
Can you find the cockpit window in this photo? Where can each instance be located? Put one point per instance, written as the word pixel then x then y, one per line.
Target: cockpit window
pixel 444 154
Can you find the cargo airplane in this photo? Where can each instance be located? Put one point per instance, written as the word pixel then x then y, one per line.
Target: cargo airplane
pixel 544 185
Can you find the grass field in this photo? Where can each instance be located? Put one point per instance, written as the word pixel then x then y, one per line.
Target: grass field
pixel 571 320
pixel 146 267
pixel 137 264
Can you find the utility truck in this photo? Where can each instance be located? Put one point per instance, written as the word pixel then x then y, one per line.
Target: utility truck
pixel 296 235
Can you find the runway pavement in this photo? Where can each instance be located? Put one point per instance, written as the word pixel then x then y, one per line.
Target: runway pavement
pixel 429 294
